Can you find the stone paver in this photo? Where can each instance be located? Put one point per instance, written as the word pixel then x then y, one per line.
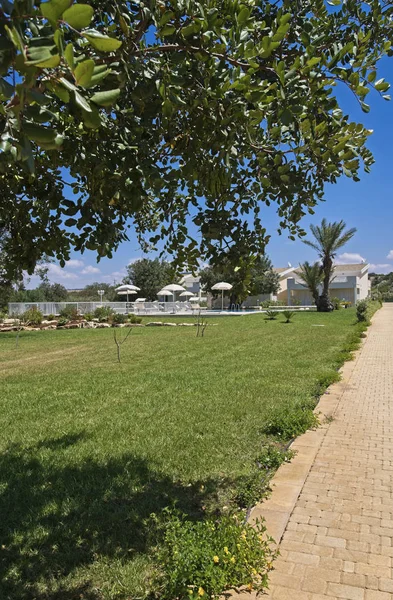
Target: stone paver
pixel 338 541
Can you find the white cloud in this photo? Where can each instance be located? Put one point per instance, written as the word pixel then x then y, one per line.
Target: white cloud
pixel 349 258
pixel 115 276
pixel 132 260
pixel 90 270
pixel 56 272
pixel 390 255
pixel 381 268
pixel 74 264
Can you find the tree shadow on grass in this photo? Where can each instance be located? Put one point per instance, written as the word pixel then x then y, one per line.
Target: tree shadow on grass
pixel 57 516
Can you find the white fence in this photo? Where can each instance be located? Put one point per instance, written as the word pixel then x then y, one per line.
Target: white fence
pixel 83 308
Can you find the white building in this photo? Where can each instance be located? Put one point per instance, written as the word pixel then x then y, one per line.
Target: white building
pixel 350 283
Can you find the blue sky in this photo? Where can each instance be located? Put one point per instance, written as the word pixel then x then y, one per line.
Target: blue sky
pixel 366 205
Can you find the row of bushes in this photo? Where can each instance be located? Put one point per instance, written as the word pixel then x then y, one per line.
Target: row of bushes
pixel 34 317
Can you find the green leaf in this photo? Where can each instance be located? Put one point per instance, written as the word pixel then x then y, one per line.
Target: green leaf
pixel 70 86
pixel 313 61
pixel 100 42
pixel 14 36
pixel 243 16
pixel 39 134
pixel 167 108
pixel 92 119
pixel 58 37
pixel 69 56
pixel 168 30
pixel 365 107
pixel 381 85
pixel 84 72
pixel 79 15
pixel 372 76
pixel 54 9
pixel 106 98
pixel 79 99
pixel 98 77
pixel 61 93
pixel 42 57
pixel 6 89
pixel 166 17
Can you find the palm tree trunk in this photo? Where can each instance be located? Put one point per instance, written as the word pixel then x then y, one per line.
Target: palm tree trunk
pixel 324 304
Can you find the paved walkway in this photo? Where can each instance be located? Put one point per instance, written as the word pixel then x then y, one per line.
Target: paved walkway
pixel 338 542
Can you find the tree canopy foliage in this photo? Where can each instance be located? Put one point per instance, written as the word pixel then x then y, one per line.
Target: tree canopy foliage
pixel 163 112
pixel 252 277
pixel 150 276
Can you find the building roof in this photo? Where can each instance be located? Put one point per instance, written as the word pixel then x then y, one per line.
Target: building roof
pixel 351 267
pixel 358 268
pixel 282 271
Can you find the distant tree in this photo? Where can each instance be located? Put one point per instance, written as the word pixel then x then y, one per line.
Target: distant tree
pixel 150 276
pixel 90 293
pixel 312 277
pixel 328 239
pixel 54 292
pixel 252 276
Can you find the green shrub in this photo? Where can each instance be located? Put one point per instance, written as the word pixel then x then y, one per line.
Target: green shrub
pixel 2 316
pixel 89 316
pixel 337 303
pixel 288 314
pixel 135 320
pixel 118 319
pixel 326 380
pixel 203 559
pixel 62 321
pixel 362 310
pixel 70 313
pixel 102 313
pixel 50 317
pixel 271 315
pixel 290 419
pixel 251 488
pixel 266 303
pixel 33 316
pixel 296 302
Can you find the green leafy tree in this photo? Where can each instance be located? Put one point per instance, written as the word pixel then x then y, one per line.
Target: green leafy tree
pixel 312 277
pixel 328 239
pixel 161 110
pixel 149 275
pixel 90 293
pixel 253 276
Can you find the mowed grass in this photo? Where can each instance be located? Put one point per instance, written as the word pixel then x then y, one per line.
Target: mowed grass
pixel 90 448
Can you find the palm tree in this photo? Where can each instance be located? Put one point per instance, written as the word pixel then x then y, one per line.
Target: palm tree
pixel 312 277
pixel 328 239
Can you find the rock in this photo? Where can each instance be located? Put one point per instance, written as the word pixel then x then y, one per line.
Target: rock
pixel 8 329
pixel 102 325
pixel 154 324
pixel 186 324
pixel 72 326
pixel 169 324
pixel 11 322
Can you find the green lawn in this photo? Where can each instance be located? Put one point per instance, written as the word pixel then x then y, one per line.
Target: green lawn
pixel 90 448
